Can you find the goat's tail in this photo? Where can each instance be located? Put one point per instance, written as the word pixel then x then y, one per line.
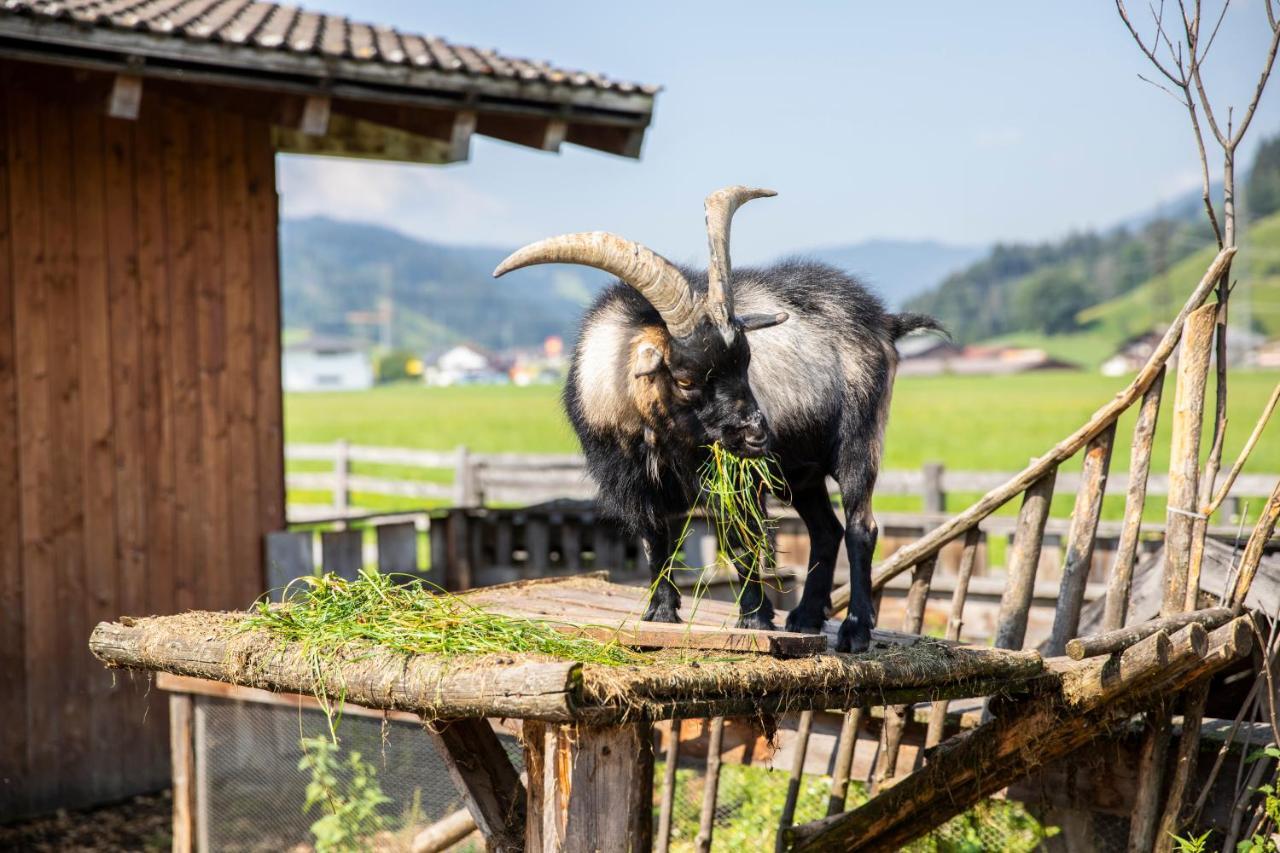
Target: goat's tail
pixel 905 324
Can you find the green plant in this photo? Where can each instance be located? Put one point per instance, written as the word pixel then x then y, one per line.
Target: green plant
pixel 350 794
pixel 1192 843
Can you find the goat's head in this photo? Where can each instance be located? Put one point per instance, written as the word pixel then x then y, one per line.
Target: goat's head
pixel 691 371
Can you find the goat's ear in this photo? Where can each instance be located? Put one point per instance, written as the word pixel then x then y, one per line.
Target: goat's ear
pixel 648 359
pixel 752 322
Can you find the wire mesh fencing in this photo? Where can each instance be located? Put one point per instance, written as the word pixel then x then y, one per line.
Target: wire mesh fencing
pixel 255 763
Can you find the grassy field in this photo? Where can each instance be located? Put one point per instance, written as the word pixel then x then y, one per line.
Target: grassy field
pixel 974 423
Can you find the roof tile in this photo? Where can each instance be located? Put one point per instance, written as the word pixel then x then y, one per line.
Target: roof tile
pixel 273 26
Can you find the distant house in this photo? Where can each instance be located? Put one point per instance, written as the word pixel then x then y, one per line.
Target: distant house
pixel 930 356
pixel 1132 354
pixel 1243 347
pixel 327 364
pixel 1267 355
pixel 467 364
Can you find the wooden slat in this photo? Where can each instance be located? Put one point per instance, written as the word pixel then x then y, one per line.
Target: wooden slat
pixel 1011 628
pixel 1084 526
pixel 240 384
pixel 13 701
pixel 342 552
pixel 287 556
pixel 397 548
pixel 216 587
pixel 97 451
pixel 189 559
pixel 183 772
pixel 610 615
pixel 66 483
pixel 955 624
pixel 1121 578
pixel 483 775
pixel 263 211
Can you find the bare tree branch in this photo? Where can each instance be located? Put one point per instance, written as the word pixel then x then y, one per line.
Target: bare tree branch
pixel 1213 35
pixel 1262 84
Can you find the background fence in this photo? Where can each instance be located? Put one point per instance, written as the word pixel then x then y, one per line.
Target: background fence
pixel 462 478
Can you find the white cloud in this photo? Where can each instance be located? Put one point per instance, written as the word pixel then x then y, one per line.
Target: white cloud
pixel 423 201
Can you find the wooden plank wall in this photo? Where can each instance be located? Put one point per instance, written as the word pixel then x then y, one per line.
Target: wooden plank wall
pixel 141 459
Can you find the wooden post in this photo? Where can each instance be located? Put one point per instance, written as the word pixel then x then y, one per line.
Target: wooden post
pixel 672 758
pixel 895 715
pixel 1011 629
pixel 801 748
pixel 955 623
pixel 711 787
pixel 457 567
pixel 341 475
pixel 483 775
pixel 1144 431
pixel 1151 762
pixel 200 771
pixel 1084 527
pixel 182 759
pixel 844 761
pixel 598 788
pixel 935 499
pixel 533 738
pixel 1184 455
pixel 465 480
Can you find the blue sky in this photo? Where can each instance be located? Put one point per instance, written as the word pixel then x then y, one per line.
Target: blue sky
pixel 960 122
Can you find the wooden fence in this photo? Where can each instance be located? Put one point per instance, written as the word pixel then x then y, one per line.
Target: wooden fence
pixel 485 479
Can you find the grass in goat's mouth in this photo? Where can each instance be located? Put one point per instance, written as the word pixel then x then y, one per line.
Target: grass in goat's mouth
pixel 732 492
pixel 330 614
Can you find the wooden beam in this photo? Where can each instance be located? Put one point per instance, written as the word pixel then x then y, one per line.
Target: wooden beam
pixel 315 116
pixel 710 788
pixel 598 788
pixel 1118 640
pixel 489 784
pixel 350 137
pixel 1011 628
pixel 545 134
pixel 125 100
pixel 623 141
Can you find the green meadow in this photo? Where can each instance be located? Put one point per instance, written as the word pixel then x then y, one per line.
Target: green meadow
pixel 967 423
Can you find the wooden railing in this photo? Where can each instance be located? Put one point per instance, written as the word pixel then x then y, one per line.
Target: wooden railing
pixel 513 479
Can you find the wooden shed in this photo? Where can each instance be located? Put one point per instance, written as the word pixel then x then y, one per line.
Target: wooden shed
pixel 141 457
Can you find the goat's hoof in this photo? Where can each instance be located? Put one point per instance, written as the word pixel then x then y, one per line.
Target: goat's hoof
pixel 801 621
pixel 854 636
pixel 662 612
pixel 757 621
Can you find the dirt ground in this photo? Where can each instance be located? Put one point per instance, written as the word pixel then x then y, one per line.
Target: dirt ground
pixel 138 824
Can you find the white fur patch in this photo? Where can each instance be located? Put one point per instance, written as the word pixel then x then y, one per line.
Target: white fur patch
pixel 603 357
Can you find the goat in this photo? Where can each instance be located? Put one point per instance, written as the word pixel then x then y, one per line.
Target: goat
pixel 663 368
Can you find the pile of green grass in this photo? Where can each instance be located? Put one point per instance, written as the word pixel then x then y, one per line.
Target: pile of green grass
pixel 329 615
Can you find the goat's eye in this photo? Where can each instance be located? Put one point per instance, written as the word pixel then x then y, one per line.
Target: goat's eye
pixel 684 384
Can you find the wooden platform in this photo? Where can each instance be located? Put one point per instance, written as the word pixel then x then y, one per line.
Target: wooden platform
pixel 592 607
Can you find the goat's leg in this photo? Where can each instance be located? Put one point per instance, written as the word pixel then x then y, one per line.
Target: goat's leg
pixel 814 506
pixel 860 539
pixel 755 610
pixel 664 595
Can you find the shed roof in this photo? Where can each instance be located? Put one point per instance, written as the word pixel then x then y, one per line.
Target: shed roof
pixel 289 49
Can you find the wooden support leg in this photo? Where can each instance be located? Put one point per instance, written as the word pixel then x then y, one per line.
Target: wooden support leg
pixel 711 787
pixel 485 778
pixel 597 788
pixel 183 762
pixel 667 804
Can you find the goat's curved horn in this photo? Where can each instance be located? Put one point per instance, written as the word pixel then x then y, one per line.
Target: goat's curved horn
pixel 654 276
pixel 720 207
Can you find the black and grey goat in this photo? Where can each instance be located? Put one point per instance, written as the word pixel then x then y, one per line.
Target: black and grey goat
pixel 663 368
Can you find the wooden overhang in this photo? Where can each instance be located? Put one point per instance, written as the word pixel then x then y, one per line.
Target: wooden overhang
pixel 335 86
